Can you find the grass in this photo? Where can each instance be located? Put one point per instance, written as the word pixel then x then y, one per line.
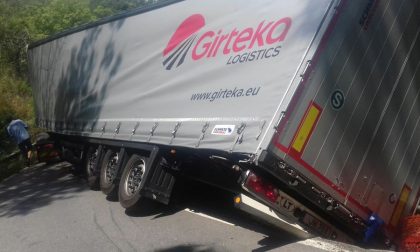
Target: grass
pixel 11 165
pixel 14 162
pixel 15 102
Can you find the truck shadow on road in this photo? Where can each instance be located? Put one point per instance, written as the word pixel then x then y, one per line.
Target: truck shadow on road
pixel 202 199
pixel 187 248
pixel 37 187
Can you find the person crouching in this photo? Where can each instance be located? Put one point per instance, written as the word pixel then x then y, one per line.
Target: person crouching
pixel 18 131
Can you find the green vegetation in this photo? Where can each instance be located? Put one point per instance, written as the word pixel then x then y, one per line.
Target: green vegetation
pixel 23 22
pixel 10 166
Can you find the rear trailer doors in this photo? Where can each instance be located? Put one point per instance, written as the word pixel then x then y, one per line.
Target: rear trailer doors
pixel 354 130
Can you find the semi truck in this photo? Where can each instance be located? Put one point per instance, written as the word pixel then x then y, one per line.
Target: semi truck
pixel 308 111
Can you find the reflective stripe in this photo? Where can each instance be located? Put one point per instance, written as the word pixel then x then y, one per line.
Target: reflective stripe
pixel 306 128
pixel 399 208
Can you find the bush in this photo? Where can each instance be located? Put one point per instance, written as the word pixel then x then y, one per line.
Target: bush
pixel 11 166
pixel 15 102
pixel 23 22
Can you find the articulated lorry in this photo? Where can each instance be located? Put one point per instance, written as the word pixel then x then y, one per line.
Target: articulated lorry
pixel 307 110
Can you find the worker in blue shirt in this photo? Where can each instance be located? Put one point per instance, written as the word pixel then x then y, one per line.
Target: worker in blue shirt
pixel 18 131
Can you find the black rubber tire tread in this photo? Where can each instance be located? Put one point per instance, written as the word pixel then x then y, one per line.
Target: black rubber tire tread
pixel 92 177
pixel 106 187
pixel 128 201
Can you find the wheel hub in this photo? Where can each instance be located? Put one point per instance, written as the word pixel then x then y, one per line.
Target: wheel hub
pixel 135 177
pixel 91 162
pixel 111 168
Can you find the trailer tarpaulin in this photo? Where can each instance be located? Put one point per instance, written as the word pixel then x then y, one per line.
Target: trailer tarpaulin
pixel 209 74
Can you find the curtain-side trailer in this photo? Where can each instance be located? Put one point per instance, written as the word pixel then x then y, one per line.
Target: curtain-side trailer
pixel 308 110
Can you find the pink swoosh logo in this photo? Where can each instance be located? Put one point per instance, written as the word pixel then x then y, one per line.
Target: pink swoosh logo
pixel 190 26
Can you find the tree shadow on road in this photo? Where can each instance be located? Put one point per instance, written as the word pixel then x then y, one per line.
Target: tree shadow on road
pixel 37 187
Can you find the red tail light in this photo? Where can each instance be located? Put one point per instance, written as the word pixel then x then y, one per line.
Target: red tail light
pixel 261 187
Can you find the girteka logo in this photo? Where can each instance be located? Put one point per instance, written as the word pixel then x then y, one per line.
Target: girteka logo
pixel 239 45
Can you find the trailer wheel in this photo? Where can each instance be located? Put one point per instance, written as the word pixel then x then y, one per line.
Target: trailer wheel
pixel 109 171
pixel 131 181
pixel 91 173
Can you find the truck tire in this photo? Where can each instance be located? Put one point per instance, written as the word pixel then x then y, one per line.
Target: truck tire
pixel 131 181
pixel 91 171
pixel 109 172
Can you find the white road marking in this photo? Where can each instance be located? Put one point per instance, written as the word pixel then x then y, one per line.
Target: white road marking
pixel 209 217
pixel 324 245
pixel 318 243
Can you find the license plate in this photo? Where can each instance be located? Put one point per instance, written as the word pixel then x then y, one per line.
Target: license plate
pixel 318 226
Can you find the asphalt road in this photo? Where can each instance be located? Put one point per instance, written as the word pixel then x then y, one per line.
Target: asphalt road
pixel 46 208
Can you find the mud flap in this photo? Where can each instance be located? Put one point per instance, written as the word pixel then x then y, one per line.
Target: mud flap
pixel 159 178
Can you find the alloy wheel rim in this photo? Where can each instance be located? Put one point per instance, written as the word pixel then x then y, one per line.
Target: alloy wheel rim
pixel 111 168
pixel 91 162
pixel 134 178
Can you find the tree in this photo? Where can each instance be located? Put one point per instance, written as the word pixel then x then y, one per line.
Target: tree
pixel 25 21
